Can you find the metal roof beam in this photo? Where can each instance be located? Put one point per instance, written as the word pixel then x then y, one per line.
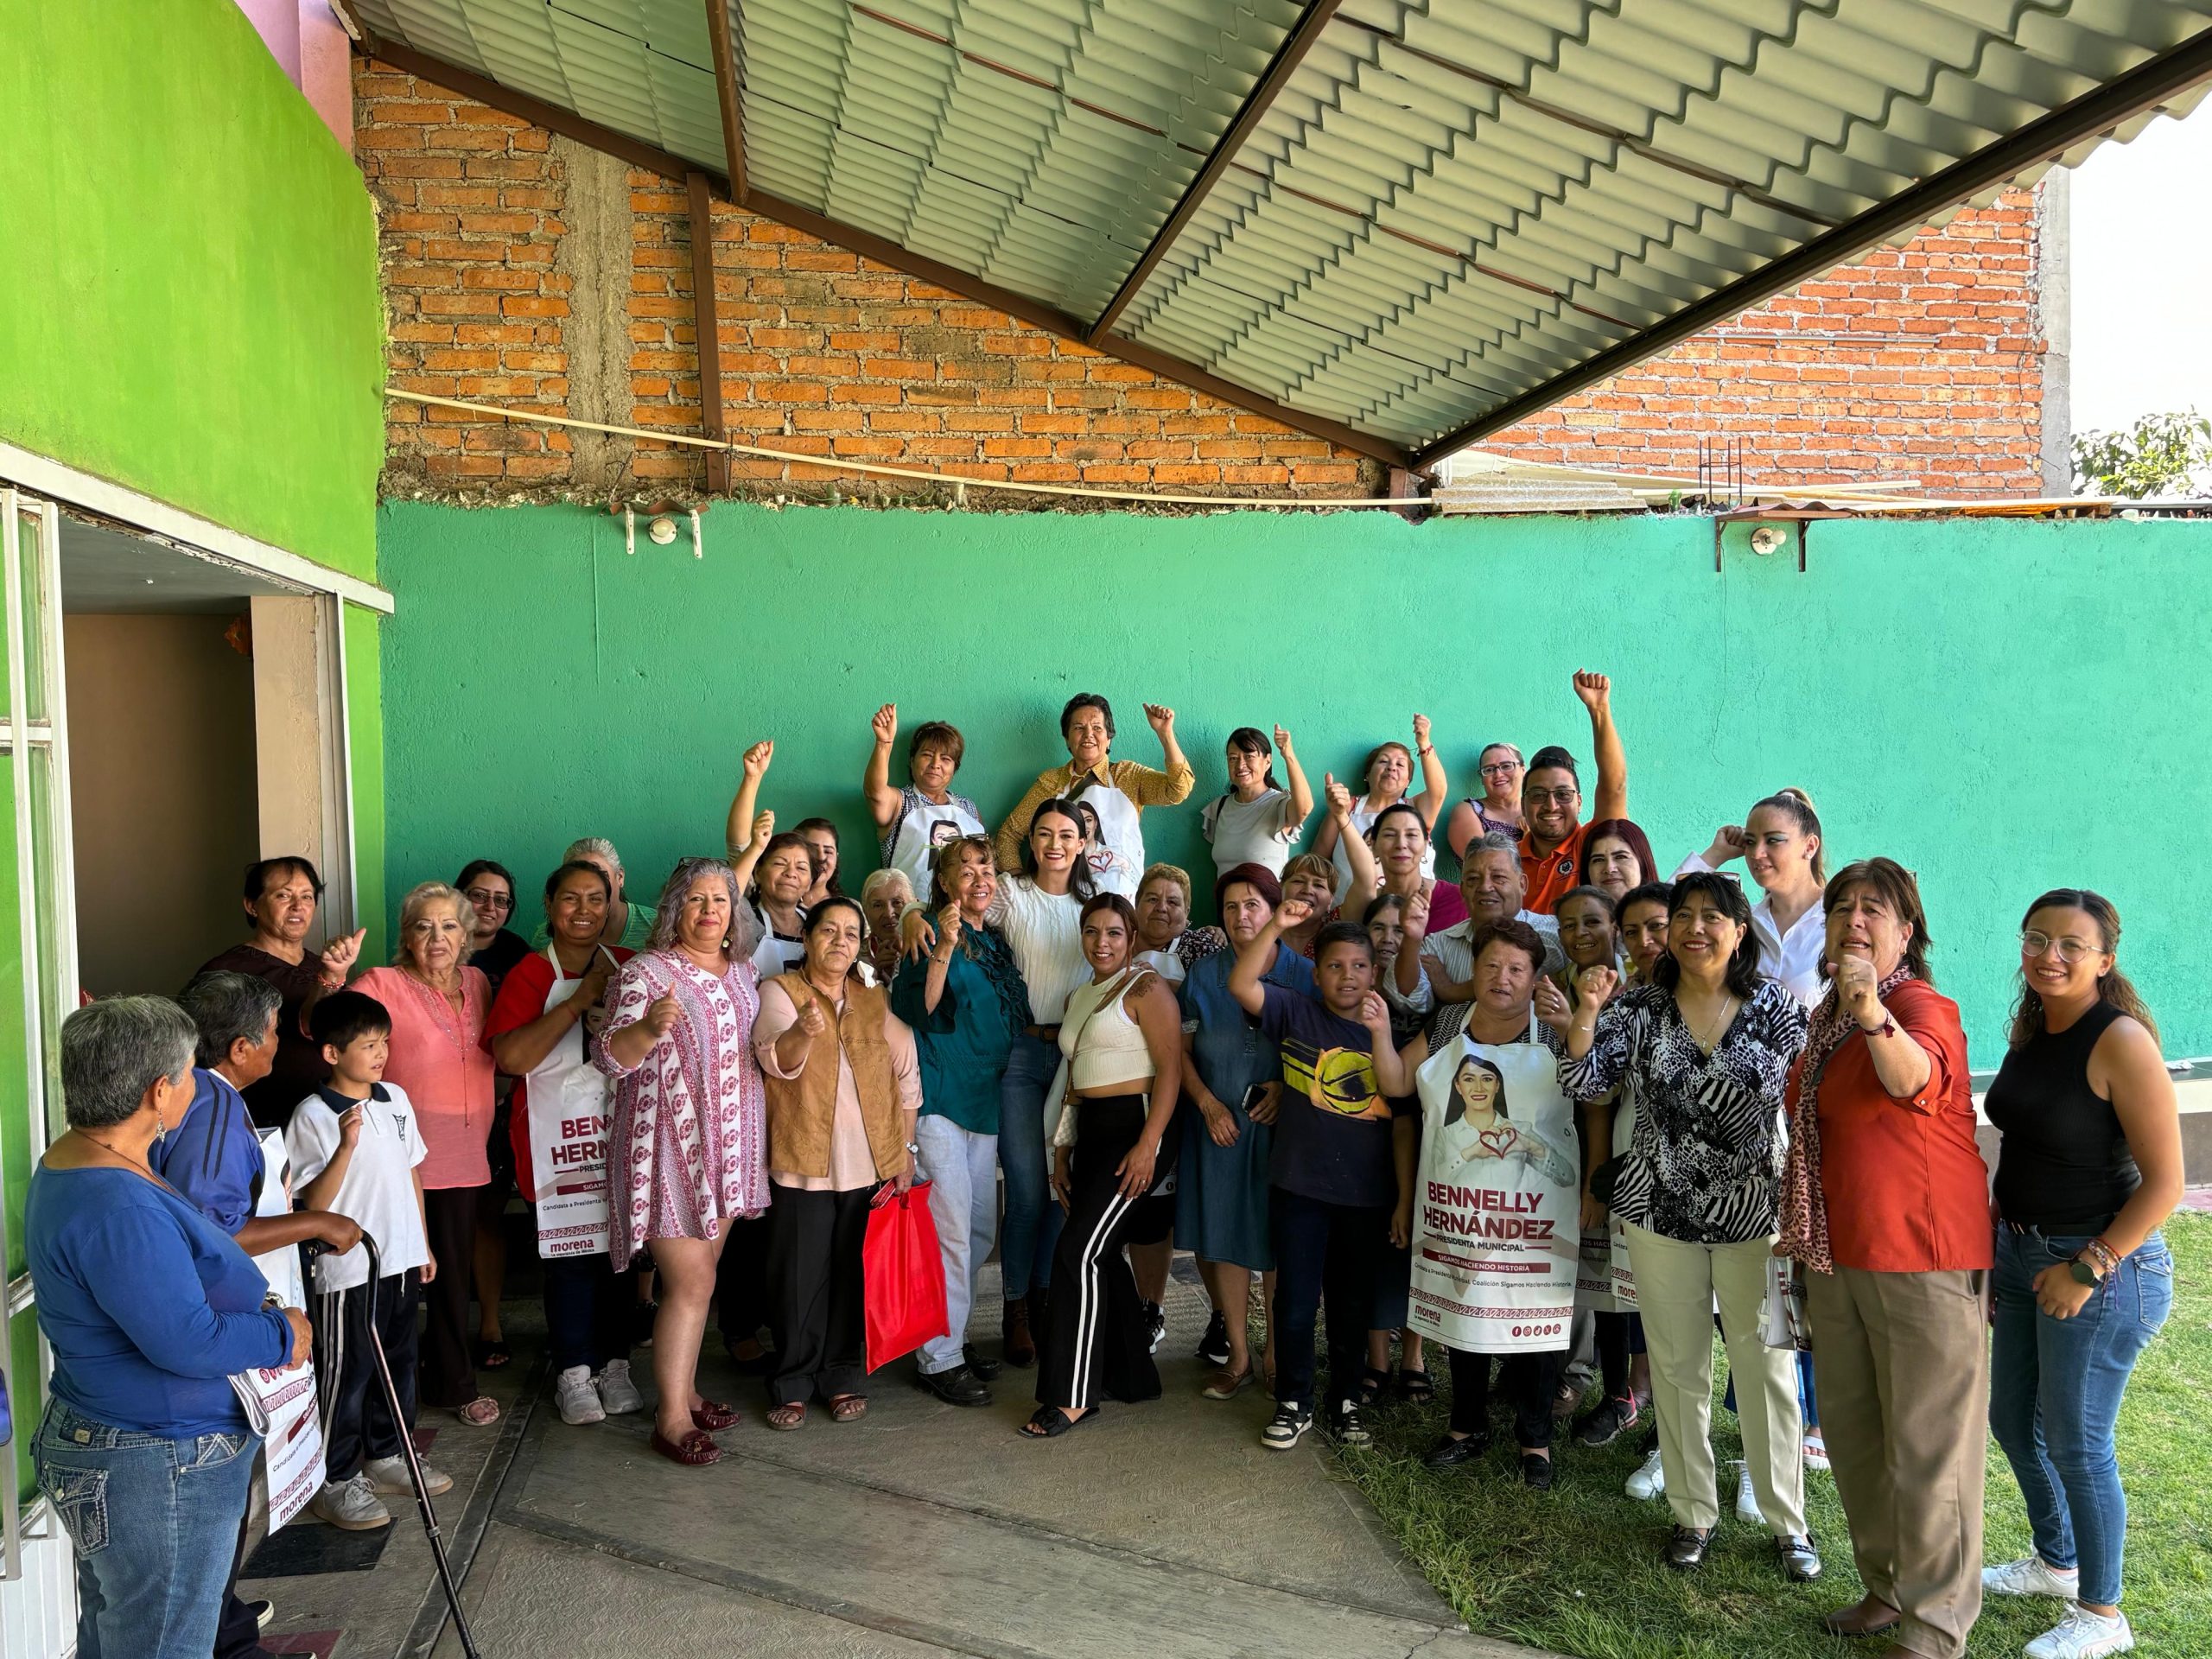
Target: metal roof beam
pixel 2144 88
pixel 884 251
pixel 726 92
pixel 1287 60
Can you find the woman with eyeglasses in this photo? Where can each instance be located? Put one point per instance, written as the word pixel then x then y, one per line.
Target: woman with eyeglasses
pixel 2088 1167
pixel 493 947
pixel 1498 807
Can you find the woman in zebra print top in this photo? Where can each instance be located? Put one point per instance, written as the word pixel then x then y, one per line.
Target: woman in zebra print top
pixel 1705 1047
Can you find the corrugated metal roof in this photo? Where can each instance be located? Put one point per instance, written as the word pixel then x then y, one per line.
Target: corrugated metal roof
pixel 1448 206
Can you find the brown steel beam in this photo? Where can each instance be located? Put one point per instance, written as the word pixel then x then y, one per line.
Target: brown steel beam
pixel 1287 57
pixel 725 90
pixel 706 329
pixel 883 251
pixel 2144 87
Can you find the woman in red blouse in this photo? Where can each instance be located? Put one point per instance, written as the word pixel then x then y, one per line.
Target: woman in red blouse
pixel 1885 1200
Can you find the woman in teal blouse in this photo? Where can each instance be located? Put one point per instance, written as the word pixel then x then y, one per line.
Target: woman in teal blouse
pixel 966 1004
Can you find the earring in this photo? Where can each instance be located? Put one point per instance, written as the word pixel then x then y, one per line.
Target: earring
pixel 160 1130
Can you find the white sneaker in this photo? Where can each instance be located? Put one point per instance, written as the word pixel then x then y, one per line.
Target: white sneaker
pixel 351 1504
pixel 1650 1480
pixel 1747 1500
pixel 390 1475
pixel 2081 1634
pixel 574 1392
pixel 2032 1576
pixel 1816 1450
pixel 617 1393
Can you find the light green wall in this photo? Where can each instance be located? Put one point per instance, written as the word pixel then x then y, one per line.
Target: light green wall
pixel 187 296
pixel 365 728
pixel 1974 697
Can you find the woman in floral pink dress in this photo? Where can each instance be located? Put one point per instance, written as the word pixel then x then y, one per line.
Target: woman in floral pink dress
pixel 687 1153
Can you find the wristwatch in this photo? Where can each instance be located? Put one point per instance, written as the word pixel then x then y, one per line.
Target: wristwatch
pixel 2083 1272
pixel 913 1148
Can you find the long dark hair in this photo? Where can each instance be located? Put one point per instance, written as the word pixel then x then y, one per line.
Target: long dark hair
pixel 1744 966
pixel 1079 881
pixel 2113 986
pixel 805 824
pixel 1252 741
pixel 1457 1107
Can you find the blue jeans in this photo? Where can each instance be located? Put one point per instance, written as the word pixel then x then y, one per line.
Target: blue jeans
pixel 2055 1387
pixel 1032 1227
pixel 156 1524
pixel 961 1169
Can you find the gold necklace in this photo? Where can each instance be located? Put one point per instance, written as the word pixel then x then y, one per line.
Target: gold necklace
pixel 137 1163
pixel 1709 1038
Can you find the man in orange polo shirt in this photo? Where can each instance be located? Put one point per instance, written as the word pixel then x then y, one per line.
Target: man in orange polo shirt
pixel 1553 830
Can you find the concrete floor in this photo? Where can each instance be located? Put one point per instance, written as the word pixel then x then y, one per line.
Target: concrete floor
pixel 1164 1529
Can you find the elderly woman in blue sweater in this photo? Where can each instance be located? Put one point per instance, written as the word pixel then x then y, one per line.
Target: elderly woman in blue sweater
pixel 149 1308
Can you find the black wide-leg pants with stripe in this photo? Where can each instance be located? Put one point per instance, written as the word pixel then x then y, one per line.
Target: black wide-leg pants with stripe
pixel 1094 1344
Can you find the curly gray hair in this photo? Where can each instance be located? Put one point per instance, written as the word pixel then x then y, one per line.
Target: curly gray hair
pixel 744 925
pixel 420 898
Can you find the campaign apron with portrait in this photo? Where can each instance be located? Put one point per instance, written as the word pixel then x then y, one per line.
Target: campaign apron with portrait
pixel 1498 1205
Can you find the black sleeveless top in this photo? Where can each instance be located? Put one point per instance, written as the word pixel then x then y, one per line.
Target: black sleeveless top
pixel 2064 1165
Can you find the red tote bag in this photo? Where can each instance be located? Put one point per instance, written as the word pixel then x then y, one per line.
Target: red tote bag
pixel 903 1274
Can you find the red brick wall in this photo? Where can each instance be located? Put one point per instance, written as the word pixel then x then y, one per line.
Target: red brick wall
pixel 1920 361
pixel 1923 361
pixel 823 352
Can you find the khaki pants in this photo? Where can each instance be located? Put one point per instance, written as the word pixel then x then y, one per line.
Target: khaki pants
pixel 1902 1374
pixel 1676 1285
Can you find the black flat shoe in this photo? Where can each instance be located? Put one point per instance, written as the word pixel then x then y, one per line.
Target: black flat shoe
pixel 1535 1473
pixel 1450 1453
pixel 1686 1548
pixel 980 1363
pixel 1050 1422
pixel 957 1386
pixel 1213 1347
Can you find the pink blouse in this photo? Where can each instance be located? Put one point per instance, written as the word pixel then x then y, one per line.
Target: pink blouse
pixel 441 1064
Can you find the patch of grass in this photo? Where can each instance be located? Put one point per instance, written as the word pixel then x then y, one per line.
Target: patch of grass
pixel 1577 1569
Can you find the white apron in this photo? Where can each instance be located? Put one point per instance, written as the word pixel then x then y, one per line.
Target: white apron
pixel 568 1100
pixel 1119 828
pixel 919 834
pixel 291 1432
pixel 1603 1283
pixel 1497 1217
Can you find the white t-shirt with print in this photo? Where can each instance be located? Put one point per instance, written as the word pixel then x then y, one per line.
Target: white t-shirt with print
pixel 378 1190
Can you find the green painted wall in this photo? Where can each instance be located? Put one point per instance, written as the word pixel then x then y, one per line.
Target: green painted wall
pixel 188 300
pixel 365 728
pixel 1974 697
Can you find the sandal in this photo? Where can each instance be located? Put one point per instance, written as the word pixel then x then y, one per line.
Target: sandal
pixel 712 1414
pixel 1415 1388
pixel 1050 1422
pixel 788 1417
pixel 480 1412
pixel 1372 1385
pixel 694 1450
pixel 490 1353
pixel 847 1407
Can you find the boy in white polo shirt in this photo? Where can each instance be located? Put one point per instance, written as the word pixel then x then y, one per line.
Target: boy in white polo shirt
pixel 355 1145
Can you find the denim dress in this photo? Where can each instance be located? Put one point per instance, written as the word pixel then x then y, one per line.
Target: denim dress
pixel 1221 1201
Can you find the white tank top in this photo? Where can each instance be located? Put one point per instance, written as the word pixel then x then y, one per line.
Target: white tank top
pixel 1103 1043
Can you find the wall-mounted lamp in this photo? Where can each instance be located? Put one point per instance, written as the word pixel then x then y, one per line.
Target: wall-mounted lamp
pixel 1769 538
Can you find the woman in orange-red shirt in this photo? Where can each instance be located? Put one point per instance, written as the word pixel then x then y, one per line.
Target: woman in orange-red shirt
pixel 1885 1201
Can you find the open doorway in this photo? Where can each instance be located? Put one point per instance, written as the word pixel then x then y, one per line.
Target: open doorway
pixel 196 699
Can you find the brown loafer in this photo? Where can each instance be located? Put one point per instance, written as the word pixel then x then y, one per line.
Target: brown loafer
pixel 693 1451
pixel 1870 1616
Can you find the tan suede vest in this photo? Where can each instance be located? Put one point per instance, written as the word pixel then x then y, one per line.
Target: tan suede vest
pixel 802 1109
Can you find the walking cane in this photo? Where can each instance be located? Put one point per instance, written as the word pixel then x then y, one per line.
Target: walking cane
pixel 413 1462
